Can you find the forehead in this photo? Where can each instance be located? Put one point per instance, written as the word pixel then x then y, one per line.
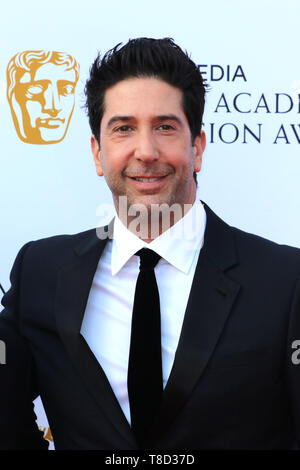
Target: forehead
pixel 135 96
pixel 50 72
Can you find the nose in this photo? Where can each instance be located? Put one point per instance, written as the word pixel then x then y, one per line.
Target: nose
pixel 52 104
pixel 146 149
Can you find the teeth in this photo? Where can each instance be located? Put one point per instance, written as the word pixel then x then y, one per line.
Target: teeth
pixel 148 180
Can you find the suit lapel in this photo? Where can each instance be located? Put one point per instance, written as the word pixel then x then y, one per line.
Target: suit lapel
pixel 210 303
pixel 74 283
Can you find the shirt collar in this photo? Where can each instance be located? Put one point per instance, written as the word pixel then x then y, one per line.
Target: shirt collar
pixel 178 245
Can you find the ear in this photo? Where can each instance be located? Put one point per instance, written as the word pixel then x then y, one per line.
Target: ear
pixel 199 147
pixel 96 153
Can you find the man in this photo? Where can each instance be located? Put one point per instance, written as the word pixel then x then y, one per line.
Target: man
pixel 41 94
pixel 82 318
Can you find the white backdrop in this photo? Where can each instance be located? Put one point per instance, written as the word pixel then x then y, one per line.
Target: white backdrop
pixel 248 54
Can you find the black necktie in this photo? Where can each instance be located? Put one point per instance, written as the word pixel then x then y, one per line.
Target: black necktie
pixel 144 369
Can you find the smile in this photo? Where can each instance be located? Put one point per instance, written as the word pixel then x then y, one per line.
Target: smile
pixel 148 183
pixel 148 180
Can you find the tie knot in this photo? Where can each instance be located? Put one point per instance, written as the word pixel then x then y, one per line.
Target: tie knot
pixel 148 258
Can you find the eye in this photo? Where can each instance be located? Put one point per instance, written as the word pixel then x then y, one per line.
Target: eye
pixel 34 90
pixel 67 90
pixel 165 127
pixel 124 129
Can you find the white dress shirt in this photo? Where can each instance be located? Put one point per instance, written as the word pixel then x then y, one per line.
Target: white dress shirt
pixel 106 324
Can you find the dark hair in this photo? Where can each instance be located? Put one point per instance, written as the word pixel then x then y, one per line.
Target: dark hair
pixel 146 57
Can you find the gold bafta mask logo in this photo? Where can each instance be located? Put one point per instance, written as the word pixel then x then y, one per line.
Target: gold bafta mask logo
pixel 41 94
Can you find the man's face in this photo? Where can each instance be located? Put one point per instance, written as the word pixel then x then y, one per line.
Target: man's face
pixel 44 101
pixel 146 147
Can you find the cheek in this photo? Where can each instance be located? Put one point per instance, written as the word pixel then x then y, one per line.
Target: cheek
pixel 113 157
pixel 112 164
pixel 34 110
pixel 33 107
pixel 67 104
pixel 179 156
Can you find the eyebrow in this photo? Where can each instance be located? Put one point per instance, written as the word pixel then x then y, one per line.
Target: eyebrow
pixel 169 117
pixel 162 117
pixel 118 118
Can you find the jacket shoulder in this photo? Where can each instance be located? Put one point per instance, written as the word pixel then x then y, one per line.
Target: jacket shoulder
pixel 55 250
pixel 261 250
pixel 253 251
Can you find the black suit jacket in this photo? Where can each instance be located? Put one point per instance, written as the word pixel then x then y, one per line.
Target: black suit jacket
pixel 233 384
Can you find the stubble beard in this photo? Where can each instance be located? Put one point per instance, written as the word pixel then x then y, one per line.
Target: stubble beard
pixel 154 212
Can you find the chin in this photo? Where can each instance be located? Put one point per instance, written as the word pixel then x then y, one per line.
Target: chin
pixel 149 201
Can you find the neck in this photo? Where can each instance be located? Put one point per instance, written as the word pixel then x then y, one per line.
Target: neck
pixel 149 223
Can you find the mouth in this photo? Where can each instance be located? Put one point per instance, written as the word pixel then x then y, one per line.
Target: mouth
pixel 148 179
pixel 51 123
pixel 150 183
